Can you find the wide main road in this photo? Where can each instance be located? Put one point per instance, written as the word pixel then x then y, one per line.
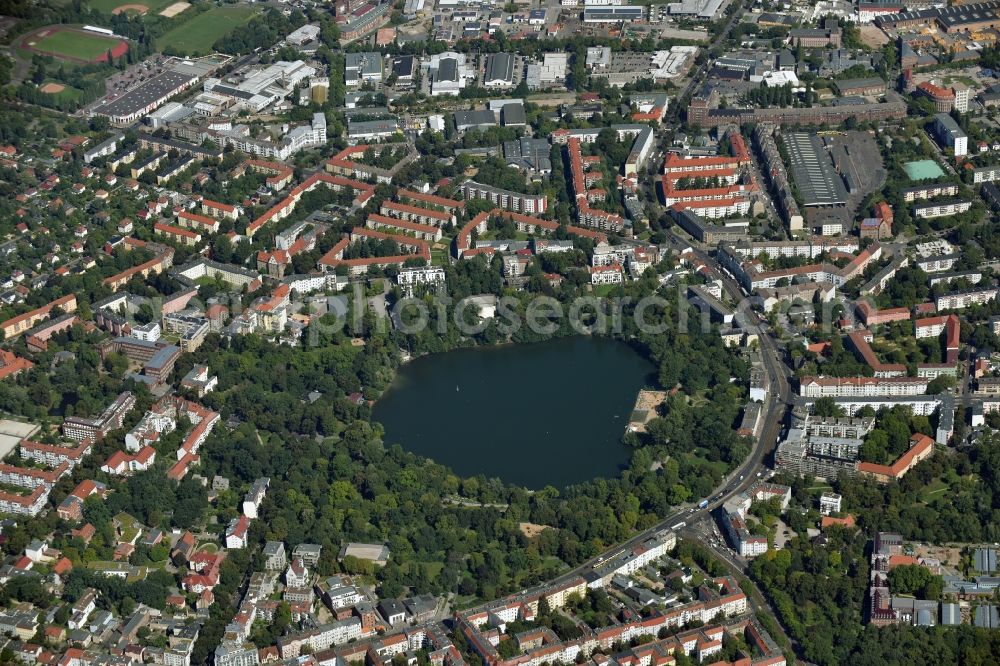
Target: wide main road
pixel 738 480
pixel 776 407
pixel 778 373
pixel 698 74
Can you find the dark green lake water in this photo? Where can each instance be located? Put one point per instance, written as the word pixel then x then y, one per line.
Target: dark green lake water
pixel 551 413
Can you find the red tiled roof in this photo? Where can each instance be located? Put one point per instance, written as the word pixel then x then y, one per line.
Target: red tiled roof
pixel 416 210
pixel 45 309
pixel 11 364
pixel 218 205
pixel 62 566
pixel 199 219
pixel 402 224
pixel 935 92
pixel 697 164
pixel 901 560
pixel 828 521
pixel 432 199
pixel 920 444
pixel 171 230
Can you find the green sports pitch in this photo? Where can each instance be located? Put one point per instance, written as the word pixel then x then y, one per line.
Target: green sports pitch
pixel 76 44
pixel 197 35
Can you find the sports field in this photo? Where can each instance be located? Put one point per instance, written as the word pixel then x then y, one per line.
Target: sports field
pixel 923 170
pixel 199 33
pixel 109 6
pixel 74 44
pixel 60 91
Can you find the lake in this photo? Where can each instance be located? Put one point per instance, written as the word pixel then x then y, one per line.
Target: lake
pixel 551 413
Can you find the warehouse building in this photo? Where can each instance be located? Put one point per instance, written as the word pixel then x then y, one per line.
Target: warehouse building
pixel 145 98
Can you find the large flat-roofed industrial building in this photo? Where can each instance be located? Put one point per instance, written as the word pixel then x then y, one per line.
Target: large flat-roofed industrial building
pixel 704 9
pixel 705 231
pixel 362 67
pixel 959 18
pixel 819 184
pixel 704 111
pixel 145 98
pixel 613 13
pixel 499 70
pixel 255 89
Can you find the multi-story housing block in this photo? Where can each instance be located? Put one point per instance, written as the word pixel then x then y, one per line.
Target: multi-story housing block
pixel 79 428
pixel 506 199
pixel 835 387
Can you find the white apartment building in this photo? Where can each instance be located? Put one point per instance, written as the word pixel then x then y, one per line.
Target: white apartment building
pixel 938 264
pixel 986 174
pixel 610 274
pixel 930 191
pixel 147 431
pixel 920 405
pixel 148 332
pixel 931 327
pixel 941 209
pixel 298 138
pixel 714 210
pixel 303 284
pixel 949 135
pixel 962 95
pixel 829 503
pixel 963 299
pixel 810 248
pixel 254 496
pixel 24 505
pixel 606 255
pixel 649 551
pixel 846 387
pixel 506 199
pixel 420 275
pixel 343 596
pixel 236 654
pixel 321 638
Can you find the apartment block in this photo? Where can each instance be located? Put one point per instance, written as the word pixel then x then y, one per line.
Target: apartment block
pixel 506 199
pixel 941 208
pixel 837 387
pixel 80 428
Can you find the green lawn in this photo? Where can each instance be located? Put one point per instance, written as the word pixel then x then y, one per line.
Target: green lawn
pixel 432 568
pixel 76 44
pixel 960 79
pixel 198 34
pixel 553 562
pixel 439 257
pixel 933 491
